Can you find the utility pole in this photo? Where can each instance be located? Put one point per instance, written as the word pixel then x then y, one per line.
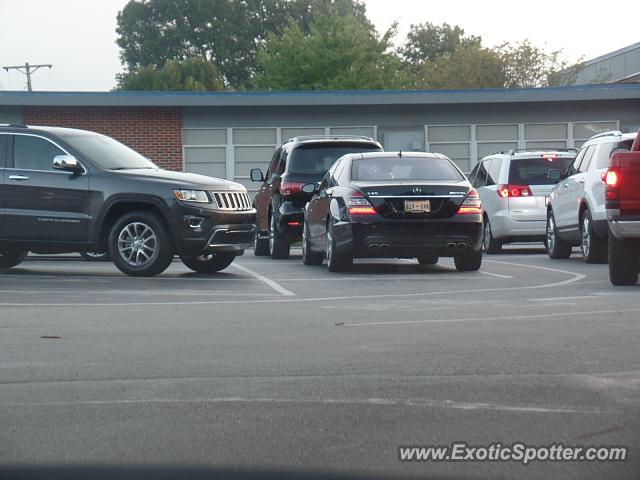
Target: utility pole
pixel 27 70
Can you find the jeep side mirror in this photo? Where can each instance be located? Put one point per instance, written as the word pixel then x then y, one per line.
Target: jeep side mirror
pixel 68 163
pixel 256 175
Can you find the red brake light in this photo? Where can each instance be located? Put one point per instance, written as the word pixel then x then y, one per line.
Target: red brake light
pixel 505 191
pixel 289 188
pixel 611 178
pixel 550 156
pixel 358 204
pixel 471 204
pixel 362 211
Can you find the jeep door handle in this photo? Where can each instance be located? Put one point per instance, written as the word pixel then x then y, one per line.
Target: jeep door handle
pixel 565 185
pixel 581 180
pixel 18 178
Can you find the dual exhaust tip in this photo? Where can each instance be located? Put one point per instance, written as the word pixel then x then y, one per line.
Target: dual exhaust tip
pixel 379 246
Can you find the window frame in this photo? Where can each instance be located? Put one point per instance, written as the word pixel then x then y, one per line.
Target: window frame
pixel 10 159
pixel 585 168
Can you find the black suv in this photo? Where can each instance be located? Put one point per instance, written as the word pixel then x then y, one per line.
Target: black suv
pixel 66 190
pixel 280 200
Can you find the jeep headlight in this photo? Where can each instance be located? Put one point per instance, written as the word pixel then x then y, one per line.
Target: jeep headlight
pixel 197 196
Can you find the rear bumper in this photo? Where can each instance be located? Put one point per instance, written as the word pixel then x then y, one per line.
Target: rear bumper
pixel 290 219
pixel 444 238
pixel 625 228
pixel 505 228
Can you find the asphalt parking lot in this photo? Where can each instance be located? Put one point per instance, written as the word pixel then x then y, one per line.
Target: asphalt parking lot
pixel 271 365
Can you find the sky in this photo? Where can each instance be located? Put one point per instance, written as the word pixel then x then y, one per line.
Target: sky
pixel 78 36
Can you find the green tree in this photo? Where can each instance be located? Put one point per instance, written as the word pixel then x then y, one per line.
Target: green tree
pixel 194 74
pixel 340 52
pixel 427 42
pixel 466 67
pixel 526 65
pixel 224 32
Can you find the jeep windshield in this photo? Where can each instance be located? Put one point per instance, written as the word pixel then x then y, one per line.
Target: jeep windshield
pixel 108 153
pixel 317 158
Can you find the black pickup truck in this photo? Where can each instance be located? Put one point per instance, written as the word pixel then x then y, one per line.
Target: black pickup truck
pixel 65 190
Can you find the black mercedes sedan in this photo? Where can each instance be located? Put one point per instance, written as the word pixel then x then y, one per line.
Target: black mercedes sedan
pixel 392 205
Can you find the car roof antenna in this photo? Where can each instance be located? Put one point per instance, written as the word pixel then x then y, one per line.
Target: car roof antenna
pixel 400 153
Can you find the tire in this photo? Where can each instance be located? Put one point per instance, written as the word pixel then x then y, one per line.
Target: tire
pixel 279 244
pixel 11 258
pixel 336 261
pixel 489 244
pixel 209 263
pixel 623 261
pixel 309 257
pixel 152 240
pixel 594 250
pixel 95 256
pixel 556 247
pixel 468 262
pixel 260 245
pixel 428 260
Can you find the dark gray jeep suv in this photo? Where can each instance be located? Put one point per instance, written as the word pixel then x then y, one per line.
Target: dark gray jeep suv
pixel 66 190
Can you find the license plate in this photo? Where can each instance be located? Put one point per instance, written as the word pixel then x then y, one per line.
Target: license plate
pixel 417 206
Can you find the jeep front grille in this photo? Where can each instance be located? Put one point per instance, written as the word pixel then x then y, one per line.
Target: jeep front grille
pixel 231 200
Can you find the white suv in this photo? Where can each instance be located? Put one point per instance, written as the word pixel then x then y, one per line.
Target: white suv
pixel 576 213
pixel 513 187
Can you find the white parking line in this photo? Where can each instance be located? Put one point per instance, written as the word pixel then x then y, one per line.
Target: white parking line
pixel 496 275
pixel 493 318
pixel 557 299
pixel 277 287
pixel 575 277
pixel 167 293
pixel 396 402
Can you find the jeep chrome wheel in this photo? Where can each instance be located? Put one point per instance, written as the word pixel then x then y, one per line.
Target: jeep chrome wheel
pixel 137 244
pixel 140 244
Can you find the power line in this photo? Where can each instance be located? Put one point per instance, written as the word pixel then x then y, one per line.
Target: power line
pixel 27 69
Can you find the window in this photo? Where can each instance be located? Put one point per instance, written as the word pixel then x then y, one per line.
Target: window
pixel 33 153
pixel 481 178
pixel 404 168
pixel 473 174
pixel 317 158
pixel 273 163
pixel 337 171
pixel 537 171
pixel 573 169
pixel 494 172
pixel 607 149
pixel 586 161
pixel 106 152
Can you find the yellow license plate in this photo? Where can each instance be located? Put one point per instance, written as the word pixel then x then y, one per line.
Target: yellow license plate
pixel 417 206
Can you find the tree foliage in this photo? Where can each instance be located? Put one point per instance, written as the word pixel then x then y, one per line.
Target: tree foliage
pixel 194 74
pixel 466 67
pixel 427 42
pixel 224 32
pixel 312 44
pixel 340 52
pixel 526 65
